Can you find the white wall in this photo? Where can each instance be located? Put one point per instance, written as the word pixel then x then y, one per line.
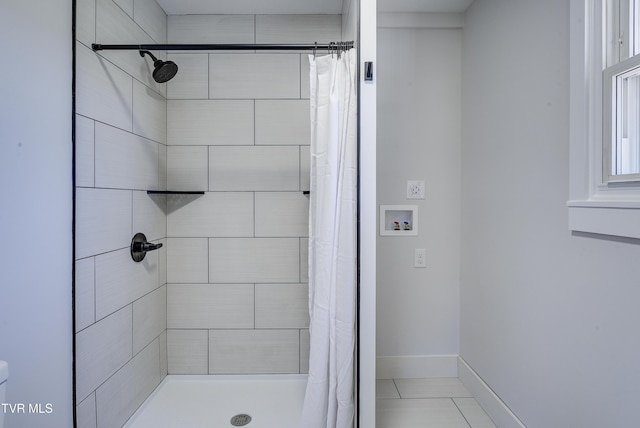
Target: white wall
pixel 35 208
pixel 549 320
pixel 419 121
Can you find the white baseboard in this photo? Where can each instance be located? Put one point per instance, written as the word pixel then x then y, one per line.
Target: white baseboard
pixel 416 366
pixel 497 410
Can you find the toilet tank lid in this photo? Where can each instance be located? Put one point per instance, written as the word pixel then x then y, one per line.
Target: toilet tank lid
pixel 4 371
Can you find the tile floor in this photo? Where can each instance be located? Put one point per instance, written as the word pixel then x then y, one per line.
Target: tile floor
pixel 427 403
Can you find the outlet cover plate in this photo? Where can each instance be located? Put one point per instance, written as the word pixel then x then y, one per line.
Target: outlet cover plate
pixel 420 258
pixel 415 189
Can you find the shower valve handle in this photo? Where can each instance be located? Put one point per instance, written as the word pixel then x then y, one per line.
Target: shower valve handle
pixel 146 246
pixel 140 247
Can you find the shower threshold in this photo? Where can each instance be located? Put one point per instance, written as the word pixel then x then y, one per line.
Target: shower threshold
pixel 219 400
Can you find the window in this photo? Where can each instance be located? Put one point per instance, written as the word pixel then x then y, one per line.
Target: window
pixel 605 117
pixel 621 89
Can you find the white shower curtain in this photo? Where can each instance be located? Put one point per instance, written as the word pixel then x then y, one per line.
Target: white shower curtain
pixel 329 401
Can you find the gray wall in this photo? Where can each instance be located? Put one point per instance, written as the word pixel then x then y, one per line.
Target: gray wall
pixel 549 320
pixel 419 120
pixel 36 208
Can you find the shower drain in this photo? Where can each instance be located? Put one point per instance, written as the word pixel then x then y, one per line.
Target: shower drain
pixel 240 420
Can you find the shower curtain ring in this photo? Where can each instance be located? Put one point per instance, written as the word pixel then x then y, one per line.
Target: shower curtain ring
pixel 315 47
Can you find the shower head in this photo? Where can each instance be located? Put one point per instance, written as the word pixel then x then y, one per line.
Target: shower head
pixel 163 70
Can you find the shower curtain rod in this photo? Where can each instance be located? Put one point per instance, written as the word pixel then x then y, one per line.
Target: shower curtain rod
pixel 225 47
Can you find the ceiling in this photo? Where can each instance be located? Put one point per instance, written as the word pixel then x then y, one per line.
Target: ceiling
pixel 185 7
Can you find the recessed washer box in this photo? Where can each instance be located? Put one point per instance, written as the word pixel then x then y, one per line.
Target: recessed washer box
pixel 398 220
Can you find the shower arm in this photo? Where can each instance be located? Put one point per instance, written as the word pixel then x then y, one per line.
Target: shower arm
pixel 333 46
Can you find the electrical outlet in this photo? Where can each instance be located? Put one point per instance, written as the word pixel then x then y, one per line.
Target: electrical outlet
pixel 420 258
pixel 415 189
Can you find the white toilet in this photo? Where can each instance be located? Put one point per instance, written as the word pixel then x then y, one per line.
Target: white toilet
pixel 4 374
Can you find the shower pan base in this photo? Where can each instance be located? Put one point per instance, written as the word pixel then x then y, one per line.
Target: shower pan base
pixel 213 401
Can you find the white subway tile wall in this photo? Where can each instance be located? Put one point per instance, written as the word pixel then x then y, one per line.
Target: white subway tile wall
pixel 120 281
pixel 304 259
pixel 86 412
pixel 215 214
pixel 192 82
pixel 162 167
pixel 149 112
pixel 85 151
pixel 305 343
pixel 102 349
pixel 162 342
pixel 86 22
pixel 103 220
pixel 121 395
pixel 305 168
pixel 305 84
pixel 149 215
pixel 298 28
pixel 254 351
pixel 209 122
pixel 126 6
pixel 282 214
pixel 187 168
pixel 249 75
pixel 252 260
pixel 187 260
pixel 149 318
pixel 254 168
pixel 103 91
pixel 282 122
pixel 188 351
pixel 114 26
pixel 197 306
pixel 282 306
pixel 124 160
pixel 85 293
pixel 244 307
pixel 151 18
pixel 211 29
pixel 121 152
pixel 227 293
pixel 162 261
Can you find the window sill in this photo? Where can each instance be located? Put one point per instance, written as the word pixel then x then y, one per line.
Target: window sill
pixel 616 218
pixel 593 208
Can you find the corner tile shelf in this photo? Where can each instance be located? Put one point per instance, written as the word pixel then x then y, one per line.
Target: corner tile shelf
pixel 174 192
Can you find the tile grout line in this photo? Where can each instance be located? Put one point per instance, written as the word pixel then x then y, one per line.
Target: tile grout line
pixel 461 412
pixel 450 396
pixel 396 387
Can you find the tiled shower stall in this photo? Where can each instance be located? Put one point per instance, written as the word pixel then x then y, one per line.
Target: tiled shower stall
pixel 227 292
